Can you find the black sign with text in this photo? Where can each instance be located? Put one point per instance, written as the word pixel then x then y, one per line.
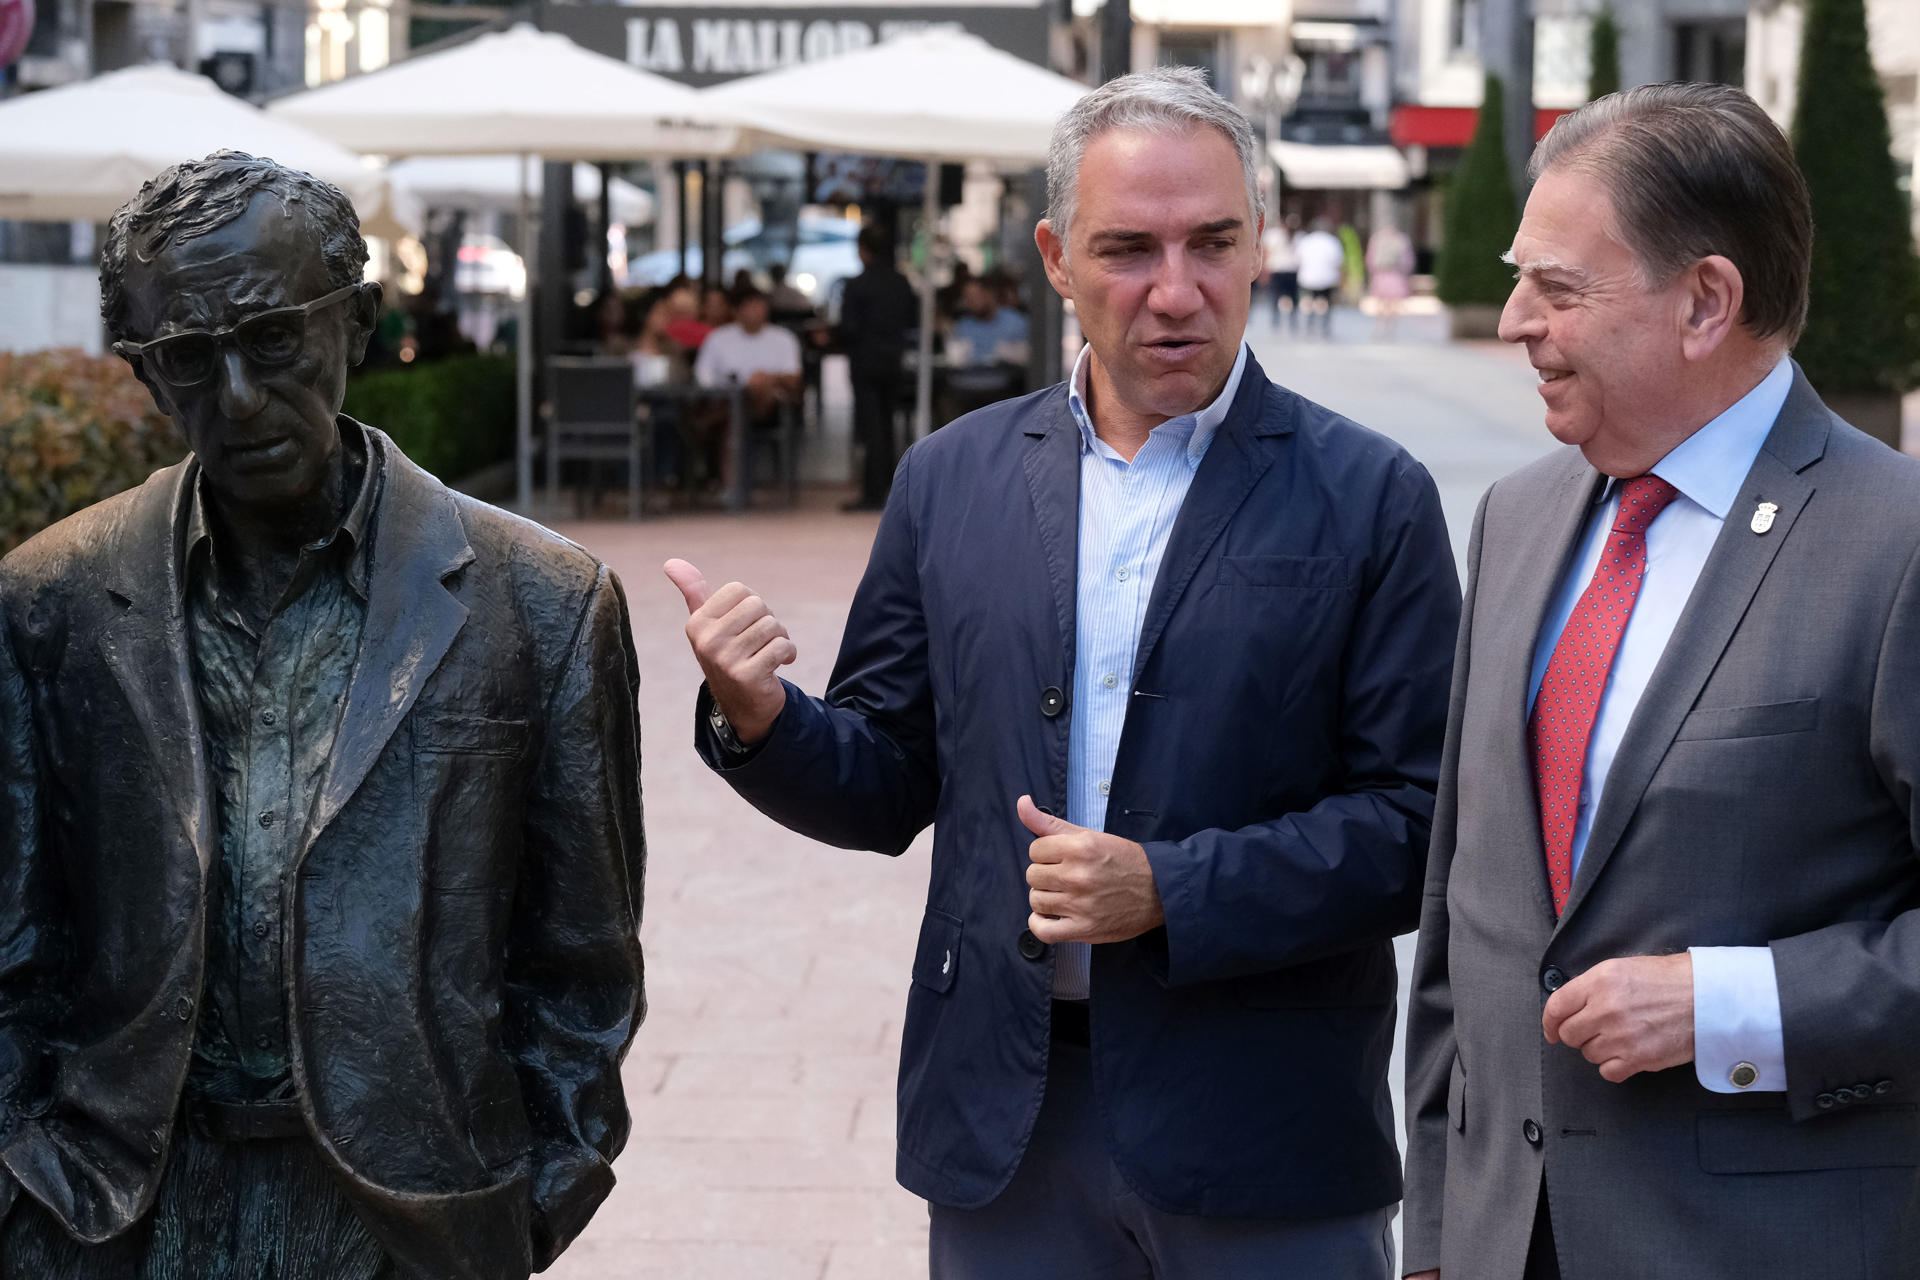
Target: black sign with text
pixel 706 45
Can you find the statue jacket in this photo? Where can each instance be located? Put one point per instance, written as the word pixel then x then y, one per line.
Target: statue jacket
pixel 464 972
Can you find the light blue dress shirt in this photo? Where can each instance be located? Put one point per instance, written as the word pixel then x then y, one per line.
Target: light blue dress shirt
pixel 1736 1002
pixel 1127 510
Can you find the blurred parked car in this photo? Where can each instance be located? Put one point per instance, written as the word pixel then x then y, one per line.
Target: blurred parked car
pixel 819 253
pixel 487 265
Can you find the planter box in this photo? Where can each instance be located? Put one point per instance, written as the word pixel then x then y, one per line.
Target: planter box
pixel 1875 412
pixel 1477 321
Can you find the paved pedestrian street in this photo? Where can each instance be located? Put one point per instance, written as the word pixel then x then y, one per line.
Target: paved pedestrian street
pixel 762 1082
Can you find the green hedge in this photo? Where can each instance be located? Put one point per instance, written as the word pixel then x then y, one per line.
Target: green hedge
pixel 452 417
pixel 74 429
pixel 1481 215
pixel 1863 321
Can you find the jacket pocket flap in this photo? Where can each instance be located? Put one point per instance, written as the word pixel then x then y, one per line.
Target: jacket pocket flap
pixel 1323 572
pixel 938 956
pixel 1767 720
pixel 1457 1096
pixel 475 735
pixel 1770 1142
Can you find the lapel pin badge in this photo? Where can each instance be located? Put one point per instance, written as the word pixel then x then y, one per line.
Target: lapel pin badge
pixel 1763 517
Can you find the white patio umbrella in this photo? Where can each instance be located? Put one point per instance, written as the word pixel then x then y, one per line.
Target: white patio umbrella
pixel 493 182
pixel 935 95
pixel 516 92
pixel 82 151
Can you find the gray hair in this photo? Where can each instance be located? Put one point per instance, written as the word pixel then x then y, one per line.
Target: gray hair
pixel 195 197
pixel 1696 170
pixel 1160 99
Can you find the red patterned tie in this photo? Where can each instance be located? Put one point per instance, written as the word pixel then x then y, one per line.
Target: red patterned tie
pixel 1569 698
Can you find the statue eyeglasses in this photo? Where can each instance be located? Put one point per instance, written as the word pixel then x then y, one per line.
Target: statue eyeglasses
pixel 266 338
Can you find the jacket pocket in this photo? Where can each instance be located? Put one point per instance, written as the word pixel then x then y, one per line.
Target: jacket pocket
pixel 938 956
pixel 468 735
pixel 1770 1142
pixel 1457 1097
pixel 1767 720
pixel 1326 573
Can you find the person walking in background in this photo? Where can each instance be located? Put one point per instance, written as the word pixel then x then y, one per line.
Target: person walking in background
pixel 1283 269
pixel 1353 266
pixel 1323 260
pixel 1389 276
pixel 878 315
pixel 1666 1010
pixel 1162 654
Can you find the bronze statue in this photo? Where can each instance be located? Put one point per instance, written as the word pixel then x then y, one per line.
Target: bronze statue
pixel 320 822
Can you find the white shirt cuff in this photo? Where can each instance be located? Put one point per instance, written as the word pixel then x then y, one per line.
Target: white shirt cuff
pixel 1737 1041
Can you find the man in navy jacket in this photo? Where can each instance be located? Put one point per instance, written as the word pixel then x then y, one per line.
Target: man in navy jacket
pixel 1163 655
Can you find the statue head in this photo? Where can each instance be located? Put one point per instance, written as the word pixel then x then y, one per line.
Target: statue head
pixel 234 286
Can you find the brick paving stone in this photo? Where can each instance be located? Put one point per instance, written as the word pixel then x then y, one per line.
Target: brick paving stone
pixel 762 1082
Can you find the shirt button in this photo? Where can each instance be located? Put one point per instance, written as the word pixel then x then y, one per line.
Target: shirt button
pixel 1121 573
pixel 1110 680
pixel 260 929
pixel 266 819
pixel 268 717
pixel 1106 788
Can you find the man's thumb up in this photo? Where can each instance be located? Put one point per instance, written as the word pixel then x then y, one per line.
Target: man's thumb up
pixel 1041 824
pixel 693 585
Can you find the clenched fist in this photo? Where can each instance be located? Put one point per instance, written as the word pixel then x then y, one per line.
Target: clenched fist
pixel 741 647
pixel 1084 885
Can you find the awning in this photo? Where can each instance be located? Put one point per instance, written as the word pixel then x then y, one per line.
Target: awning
pixel 1339 168
pixel 1414 125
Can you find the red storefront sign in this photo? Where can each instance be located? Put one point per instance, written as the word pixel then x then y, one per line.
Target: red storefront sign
pixel 1414 126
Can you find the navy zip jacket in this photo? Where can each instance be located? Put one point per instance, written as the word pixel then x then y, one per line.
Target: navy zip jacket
pixel 1278 764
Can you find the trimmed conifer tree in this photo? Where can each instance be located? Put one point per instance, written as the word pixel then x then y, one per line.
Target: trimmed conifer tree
pixel 1863 324
pixel 1603 55
pixel 1481 215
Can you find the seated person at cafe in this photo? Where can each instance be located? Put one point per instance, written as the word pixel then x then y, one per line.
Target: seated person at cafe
pixel 787 302
pixel 763 358
pixel 986 351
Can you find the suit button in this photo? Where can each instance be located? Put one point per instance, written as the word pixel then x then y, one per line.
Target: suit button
pixel 1884 1087
pixel 1052 701
pixel 1862 1092
pixel 1825 1102
pixel 1531 1132
pixel 183 1008
pixel 1031 947
pixel 1552 979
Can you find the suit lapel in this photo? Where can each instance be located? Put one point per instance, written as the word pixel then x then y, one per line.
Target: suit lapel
pixel 412 619
pixel 146 649
pixel 1734 570
pixel 1052 463
pixel 1234 463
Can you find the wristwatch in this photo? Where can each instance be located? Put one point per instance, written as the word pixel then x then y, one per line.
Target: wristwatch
pixel 723 730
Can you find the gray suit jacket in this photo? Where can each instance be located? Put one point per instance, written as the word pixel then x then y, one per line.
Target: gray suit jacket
pixel 1763 795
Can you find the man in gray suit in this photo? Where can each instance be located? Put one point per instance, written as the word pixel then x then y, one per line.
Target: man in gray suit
pixel 1666 1019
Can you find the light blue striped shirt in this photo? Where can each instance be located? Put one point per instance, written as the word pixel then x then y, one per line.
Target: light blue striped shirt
pixel 1127 510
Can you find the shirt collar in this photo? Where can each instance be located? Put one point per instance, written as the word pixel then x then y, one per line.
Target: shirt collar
pixel 1709 466
pixel 1202 424
pixel 362 460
